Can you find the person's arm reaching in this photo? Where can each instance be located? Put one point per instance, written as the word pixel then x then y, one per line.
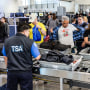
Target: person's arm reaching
pixel 86 40
pixel 43 29
pixel 83 44
pixel 43 32
pixel 38 57
pixel 74 28
pixel 35 52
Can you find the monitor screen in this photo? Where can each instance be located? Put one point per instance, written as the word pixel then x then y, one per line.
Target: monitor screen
pixel 19 14
pixel 12 14
pixel 40 14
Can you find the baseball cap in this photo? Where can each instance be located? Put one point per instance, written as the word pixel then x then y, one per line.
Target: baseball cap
pixel 32 17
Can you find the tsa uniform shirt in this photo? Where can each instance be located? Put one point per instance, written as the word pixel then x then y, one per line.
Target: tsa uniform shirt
pixel 19 49
pixel 34 50
pixel 65 35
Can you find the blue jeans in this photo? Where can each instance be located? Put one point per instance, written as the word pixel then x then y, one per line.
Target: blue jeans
pixel 24 79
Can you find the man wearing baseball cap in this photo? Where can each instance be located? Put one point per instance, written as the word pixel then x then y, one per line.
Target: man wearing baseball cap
pixel 38 30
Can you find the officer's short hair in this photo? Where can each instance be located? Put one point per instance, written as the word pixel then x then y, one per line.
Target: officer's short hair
pixel 23 26
pixel 65 18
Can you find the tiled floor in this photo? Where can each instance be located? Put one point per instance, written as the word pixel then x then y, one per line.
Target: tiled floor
pixel 52 86
pixel 40 85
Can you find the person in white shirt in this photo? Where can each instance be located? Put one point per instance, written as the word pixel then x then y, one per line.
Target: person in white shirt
pixel 65 32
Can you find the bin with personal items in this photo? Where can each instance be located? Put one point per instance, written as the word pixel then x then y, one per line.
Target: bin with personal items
pixel 56 60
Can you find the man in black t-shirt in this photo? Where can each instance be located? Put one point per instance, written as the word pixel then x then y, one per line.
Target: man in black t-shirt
pixel 88 17
pixel 86 39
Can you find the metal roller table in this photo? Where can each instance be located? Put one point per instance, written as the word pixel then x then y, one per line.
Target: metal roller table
pixel 81 73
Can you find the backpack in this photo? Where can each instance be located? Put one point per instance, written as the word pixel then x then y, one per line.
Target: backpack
pixel 54 45
pixel 52 56
pixel 56 56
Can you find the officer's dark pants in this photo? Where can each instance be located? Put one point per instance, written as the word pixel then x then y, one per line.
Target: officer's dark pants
pixel 24 79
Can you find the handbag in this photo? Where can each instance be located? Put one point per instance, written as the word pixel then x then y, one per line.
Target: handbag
pixel 47 38
pixel 36 34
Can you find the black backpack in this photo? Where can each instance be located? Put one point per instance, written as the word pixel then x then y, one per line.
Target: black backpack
pixel 52 56
pixel 56 56
pixel 54 45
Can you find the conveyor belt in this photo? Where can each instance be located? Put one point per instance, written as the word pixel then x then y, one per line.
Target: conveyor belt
pixel 79 77
pixel 81 73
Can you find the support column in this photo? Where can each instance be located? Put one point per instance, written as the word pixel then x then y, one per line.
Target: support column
pixel 61 83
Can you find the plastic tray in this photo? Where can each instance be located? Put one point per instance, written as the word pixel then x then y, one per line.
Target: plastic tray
pixel 62 66
pixel 84 53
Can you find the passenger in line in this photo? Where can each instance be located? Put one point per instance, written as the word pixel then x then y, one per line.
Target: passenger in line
pixel 65 32
pixel 3 35
pixel 54 22
pixel 48 23
pixel 81 22
pixel 85 19
pixel 38 30
pixel 86 42
pixel 88 17
pixel 3 19
pixel 82 25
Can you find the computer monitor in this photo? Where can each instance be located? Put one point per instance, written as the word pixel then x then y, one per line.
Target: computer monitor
pixel 12 14
pixel 41 14
pixel 19 14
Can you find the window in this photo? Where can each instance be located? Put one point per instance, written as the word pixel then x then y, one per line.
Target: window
pixel 38 1
pixel 25 2
pixel 45 1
